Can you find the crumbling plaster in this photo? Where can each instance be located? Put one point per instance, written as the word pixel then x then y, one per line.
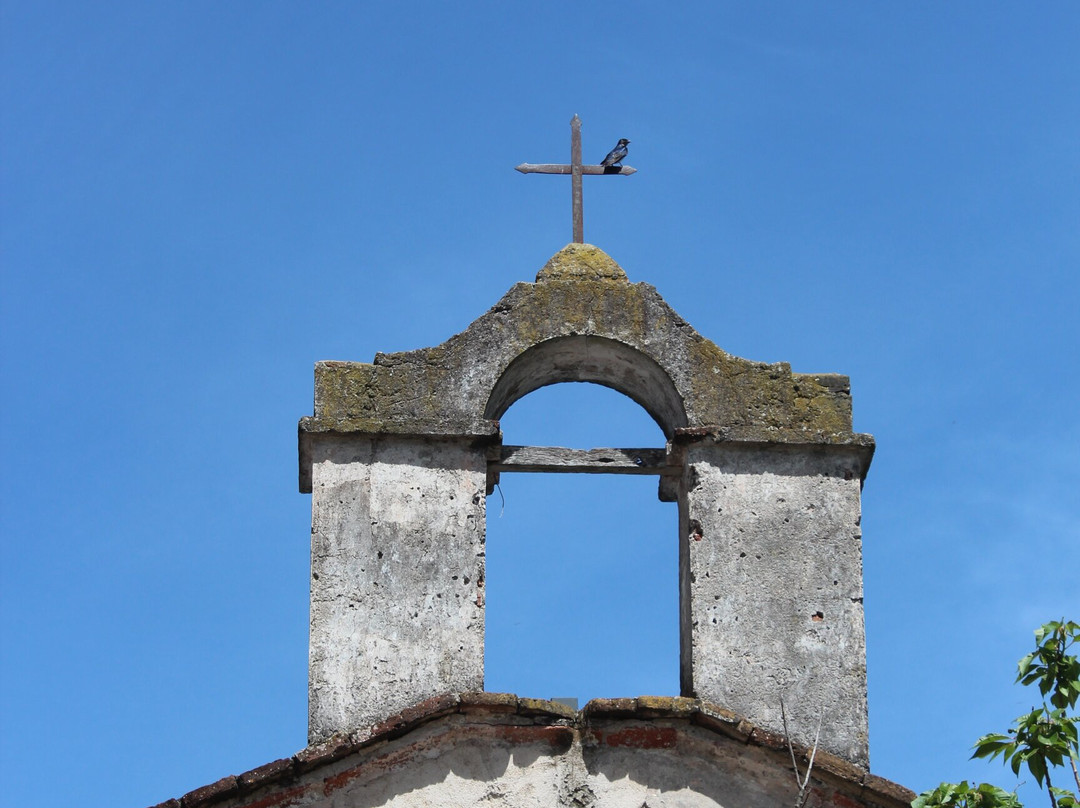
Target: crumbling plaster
pixel 397 576
pixel 773 564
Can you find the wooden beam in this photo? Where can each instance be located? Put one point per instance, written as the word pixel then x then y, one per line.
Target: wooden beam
pixel 566 168
pixel 555 459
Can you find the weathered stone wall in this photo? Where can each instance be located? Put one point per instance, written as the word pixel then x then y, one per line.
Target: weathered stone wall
pixel 773 562
pixel 770 564
pixel 397 576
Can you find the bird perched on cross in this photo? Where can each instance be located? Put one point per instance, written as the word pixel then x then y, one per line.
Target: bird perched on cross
pixel 616 155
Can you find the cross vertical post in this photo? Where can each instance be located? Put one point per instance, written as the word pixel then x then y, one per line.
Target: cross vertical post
pixel 576 171
pixel 575 179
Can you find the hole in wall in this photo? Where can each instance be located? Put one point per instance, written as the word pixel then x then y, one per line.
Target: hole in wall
pixel 582 569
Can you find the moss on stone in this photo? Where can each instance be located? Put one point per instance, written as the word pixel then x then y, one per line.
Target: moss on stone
pixel 580 291
pixel 581 261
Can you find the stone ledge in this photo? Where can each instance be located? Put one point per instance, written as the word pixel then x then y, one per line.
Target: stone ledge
pixel 208 795
pixel 765 435
pixel 542 708
pixel 488 702
pixel 859 446
pixel 318 754
pixel 267 773
pixel 723 721
pixel 312 428
pixel 609 708
pixel 880 787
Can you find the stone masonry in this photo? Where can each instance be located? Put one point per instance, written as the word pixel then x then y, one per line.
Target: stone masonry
pixel 762 462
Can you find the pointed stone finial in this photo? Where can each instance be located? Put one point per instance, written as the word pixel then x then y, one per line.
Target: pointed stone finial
pixel 581 262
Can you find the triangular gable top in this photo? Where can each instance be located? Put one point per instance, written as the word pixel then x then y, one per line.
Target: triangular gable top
pixel 582 320
pixel 664 741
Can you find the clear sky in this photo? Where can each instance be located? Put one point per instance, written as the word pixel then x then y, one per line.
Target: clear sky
pixel 202 199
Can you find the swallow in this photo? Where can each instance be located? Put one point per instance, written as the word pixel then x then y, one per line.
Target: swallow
pixel 618 154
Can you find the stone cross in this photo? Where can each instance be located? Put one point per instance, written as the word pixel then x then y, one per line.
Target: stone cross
pixel 575 170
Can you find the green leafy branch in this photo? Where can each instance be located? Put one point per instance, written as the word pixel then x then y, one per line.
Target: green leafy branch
pixel 1041 740
pixel 1051 666
pixel 961 795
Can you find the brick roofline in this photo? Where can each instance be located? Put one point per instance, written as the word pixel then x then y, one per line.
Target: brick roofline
pixel 827 767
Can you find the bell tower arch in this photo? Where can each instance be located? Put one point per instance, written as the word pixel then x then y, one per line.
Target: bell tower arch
pixel 764 466
pixel 585 358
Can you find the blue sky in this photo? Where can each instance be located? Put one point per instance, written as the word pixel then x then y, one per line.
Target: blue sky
pixel 200 200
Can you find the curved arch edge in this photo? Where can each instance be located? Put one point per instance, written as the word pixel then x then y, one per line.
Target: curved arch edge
pixel 599 360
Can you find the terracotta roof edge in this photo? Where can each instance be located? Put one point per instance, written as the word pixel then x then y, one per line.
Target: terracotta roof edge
pixel 700 713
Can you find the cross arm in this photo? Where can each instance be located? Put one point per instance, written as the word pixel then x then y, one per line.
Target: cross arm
pixel 556 168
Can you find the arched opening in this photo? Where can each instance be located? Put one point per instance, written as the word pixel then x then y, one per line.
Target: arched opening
pixel 586 358
pixel 582 569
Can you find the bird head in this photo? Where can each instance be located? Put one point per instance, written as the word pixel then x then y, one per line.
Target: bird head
pixel 624 142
